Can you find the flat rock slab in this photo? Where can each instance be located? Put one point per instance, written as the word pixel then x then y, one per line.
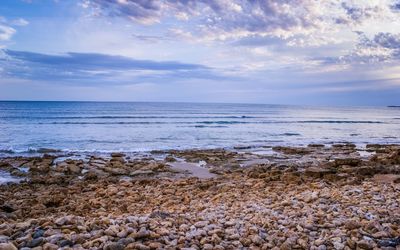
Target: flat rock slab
pixel 193 169
pixel 387 178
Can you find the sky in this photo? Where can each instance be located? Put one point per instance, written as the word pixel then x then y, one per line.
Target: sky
pixel 308 52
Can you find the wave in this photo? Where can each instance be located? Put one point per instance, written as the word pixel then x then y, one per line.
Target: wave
pixel 290 134
pixel 213 122
pixel 127 117
pixel 204 126
pixel 341 121
pixel 30 150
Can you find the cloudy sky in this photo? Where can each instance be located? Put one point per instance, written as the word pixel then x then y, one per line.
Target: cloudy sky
pixel 331 52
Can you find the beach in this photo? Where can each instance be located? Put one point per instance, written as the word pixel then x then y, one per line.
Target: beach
pixel 318 196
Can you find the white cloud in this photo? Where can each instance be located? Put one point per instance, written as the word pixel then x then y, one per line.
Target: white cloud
pixel 6 32
pixel 19 22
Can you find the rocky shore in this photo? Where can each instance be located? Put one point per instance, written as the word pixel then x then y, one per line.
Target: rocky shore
pixel 314 197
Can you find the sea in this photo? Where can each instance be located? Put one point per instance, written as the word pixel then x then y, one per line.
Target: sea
pixel 29 128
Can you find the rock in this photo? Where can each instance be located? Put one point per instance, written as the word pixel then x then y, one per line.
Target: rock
pixel 117 155
pixel 64 220
pixel 352 224
pixel 207 247
pixel 256 239
pixel 387 178
pixel 309 196
pixel 389 242
pixel 170 158
pixel 38 233
pixel 113 230
pixel 7 208
pixel 137 246
pixel 49 246
pixel 74 169
pixel 318 172
pixel 142 233
pixel 65 243
pixel 114 246
pixel 365 244
pixel 338 245
pixel 347 161
pixel 201 224
pixel 319 242
pixel 7 246
pixel 5 229
pixel 141 172
pixel 35 242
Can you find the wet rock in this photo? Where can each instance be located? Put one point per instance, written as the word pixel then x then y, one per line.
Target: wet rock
pixel 116 154
pixel 292 150
pixel 170 158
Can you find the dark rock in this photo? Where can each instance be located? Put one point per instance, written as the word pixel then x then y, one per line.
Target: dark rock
pixel 65 243
pixel 170 158
pixel 316 145
pixel 389 242
pixel 115 155
pixel 35 242
pixel 126 241
pixel 7 208
pixel 38 233
pixel 347 161
pixel 317 172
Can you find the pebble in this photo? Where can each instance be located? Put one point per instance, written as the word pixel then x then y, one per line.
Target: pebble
pixel 256 207
pixel 7 246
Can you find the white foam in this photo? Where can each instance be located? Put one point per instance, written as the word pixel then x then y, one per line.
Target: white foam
pixel 7 178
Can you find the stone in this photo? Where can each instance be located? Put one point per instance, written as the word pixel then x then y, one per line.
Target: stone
pixel 365 244
pixel 142 233
pixel 141 172
pixel 114 246
pixel 338 245
pixel 74 169
pixel 49 246
pixel 318 172
pixel 137 246
pixel 257 240
pixel 7 246
pixel 64 220
pixel 201 224
pixel 6 229
pixel 387 178
pixel 35 242
pixel 65 243
pixel 38 233
pixel 352 224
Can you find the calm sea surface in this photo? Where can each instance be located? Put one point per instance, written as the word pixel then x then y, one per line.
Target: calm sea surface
pixel 31 127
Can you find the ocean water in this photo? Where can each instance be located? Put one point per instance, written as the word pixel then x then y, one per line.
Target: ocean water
pixel 89 127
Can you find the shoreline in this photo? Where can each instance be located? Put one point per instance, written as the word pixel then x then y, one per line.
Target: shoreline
pixel 312 197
